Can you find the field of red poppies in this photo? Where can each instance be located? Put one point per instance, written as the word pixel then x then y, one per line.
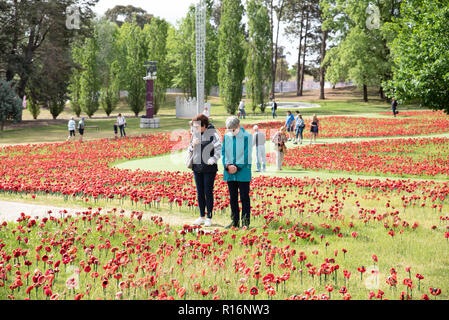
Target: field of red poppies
pixel 420 114
pixel 427 157
pixel 418 123
pixel 309 238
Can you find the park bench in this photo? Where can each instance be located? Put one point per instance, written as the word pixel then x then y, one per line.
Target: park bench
pixel 93 127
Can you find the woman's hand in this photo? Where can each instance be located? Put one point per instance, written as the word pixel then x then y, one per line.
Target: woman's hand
pixel 232 169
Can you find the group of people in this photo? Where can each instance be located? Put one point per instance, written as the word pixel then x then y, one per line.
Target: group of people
pixel 72 129
pixel 120 124
pixel 206 149
pixel 295 128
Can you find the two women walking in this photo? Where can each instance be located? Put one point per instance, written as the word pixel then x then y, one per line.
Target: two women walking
pixel 72 129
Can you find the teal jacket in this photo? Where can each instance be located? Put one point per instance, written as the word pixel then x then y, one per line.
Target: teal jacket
pixel 237 150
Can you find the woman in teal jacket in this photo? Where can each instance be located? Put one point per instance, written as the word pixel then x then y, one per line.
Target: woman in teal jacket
pixel 237 161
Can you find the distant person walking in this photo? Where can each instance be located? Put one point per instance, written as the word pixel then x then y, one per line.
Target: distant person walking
pixel 116 130
pixel 121 122
pixel 72 128
pixel 237 161
pixel 274 107
pixel 242 110
pixel 299 128
pixel 280 140
pixel 314 128
pixel 290 124
pixel 206 150
pixel 81 127
pixel 394 107
pixel 206 112
pixel 259 140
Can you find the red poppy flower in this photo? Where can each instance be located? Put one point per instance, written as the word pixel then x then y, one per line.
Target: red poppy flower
pixel 254 291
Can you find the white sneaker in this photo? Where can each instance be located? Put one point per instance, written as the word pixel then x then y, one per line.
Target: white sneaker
pixel 199 222
pixel 208 223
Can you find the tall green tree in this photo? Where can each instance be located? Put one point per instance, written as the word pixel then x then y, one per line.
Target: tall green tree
pixel 50 74
pixel 108 65
pixel 258 67
pixel 231 54
pixel 110 93
pixel 181 47
pixel 74 88
pixel 133 52
pixel 362 54
pixel 420 49
pixel 89 80
pixel 25 27
pixel 10 104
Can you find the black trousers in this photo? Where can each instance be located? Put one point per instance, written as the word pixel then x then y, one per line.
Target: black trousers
pixel 205 189
pixel 234 187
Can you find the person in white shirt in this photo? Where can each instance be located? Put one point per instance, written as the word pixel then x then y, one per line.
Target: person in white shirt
pixel 242 110
pixel 72 128
pixel 206 112
pixel 259 140
pixel 121 121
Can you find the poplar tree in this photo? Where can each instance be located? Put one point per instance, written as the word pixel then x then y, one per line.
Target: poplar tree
pixel 231 54
pixel 258 67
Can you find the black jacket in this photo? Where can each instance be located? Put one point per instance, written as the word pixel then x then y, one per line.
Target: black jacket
pixel 211 149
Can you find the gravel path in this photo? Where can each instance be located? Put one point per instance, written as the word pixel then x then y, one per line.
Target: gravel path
pixel 10 211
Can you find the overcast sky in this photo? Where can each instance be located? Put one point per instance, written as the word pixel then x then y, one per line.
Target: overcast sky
pixel 172 11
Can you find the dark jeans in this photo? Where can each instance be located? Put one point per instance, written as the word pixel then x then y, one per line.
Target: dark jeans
pixel 234 187
pixel 205 189
pixel 122 131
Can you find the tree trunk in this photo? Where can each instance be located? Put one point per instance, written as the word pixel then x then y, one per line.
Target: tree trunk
pixel 303 66
pixel 273 78
pixel 322 68
pixel 381 93
pixel 191 75
pixel 2 125
pixel 365 93
pixel 273 71
pixel 298 67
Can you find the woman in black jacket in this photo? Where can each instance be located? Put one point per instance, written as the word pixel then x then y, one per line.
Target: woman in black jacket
pixel 206 148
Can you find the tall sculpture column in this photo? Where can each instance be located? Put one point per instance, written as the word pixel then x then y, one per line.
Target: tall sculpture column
pixel 200 32
pixel 150 99
pixel 149 121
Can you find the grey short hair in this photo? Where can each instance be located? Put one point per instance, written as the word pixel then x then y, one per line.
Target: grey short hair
pixel 233 123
